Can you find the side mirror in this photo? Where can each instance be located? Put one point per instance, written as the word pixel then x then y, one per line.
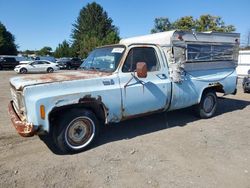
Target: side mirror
pixel 141 69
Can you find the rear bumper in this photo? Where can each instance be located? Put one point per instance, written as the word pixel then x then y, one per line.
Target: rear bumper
pixel 23 128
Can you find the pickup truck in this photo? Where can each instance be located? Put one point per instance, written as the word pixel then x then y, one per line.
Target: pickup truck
pixel 139 76
pixel 8 62
pixel 69 63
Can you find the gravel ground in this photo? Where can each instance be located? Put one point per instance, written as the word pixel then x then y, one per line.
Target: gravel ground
pixel 173 149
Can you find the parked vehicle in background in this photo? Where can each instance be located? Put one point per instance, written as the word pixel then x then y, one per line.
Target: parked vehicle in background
pixel 246 83
pixel 243 63
pixel 75 63
pixel 141 75
pixel 63 62
pixel 26 60
pixel 69 63
pixel 8 62
pixel 46 58
pixel 37 66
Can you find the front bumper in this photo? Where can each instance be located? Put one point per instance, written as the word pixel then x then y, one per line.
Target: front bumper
pixel 17 70
pixel 23 128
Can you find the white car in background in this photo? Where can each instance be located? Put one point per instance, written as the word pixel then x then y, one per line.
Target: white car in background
pixel 37 66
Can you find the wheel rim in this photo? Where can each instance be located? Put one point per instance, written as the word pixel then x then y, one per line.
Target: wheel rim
pixel 208 104
pixel 80 132
pixel 50 70
pixel 23 71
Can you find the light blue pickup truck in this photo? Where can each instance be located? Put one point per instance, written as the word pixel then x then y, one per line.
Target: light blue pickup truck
pixel 139 76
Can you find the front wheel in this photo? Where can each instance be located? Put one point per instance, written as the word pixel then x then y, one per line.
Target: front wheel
pixel 208 105
pixel 23 70
pixel 77 130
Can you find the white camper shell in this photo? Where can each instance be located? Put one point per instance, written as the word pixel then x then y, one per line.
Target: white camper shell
pixel 191 51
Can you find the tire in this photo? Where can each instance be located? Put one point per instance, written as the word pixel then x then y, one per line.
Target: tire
pixel 50 70
pixel 77 130
pixel 244 89
pixel 68 67
pixel 23 71
pixel 208 105
pixel 1 68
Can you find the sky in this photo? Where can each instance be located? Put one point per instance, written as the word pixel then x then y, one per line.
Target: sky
pixel 39 23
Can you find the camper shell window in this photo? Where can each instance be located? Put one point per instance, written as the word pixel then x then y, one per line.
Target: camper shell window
pixel 210 52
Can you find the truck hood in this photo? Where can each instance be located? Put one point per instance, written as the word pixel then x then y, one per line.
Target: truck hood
pixel 20 82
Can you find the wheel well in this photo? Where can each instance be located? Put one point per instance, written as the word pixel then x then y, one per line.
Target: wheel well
pixel 96 108
pixel 217 87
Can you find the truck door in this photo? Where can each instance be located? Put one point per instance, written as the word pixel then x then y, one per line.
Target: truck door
pixel 144 95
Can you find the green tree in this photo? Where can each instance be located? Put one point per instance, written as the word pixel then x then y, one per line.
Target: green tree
pixel 63 50
pixel 7 42
pixel 162 24
pixel 212 23
pixel 92 28
pixel 45 51
pixel 187 23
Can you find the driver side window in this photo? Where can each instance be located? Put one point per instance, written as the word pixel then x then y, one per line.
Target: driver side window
pixel 141 54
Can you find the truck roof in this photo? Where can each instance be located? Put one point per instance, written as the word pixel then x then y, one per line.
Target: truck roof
pixel 166 38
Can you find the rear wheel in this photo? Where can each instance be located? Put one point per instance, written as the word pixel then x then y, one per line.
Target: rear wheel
pixel 23 70
pixel 77 130
pixel 50 70
pixel 208 105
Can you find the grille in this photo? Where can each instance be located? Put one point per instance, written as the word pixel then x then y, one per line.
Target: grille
pixel 17 100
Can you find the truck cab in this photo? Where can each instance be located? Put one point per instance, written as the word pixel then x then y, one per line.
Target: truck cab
pixel 139 76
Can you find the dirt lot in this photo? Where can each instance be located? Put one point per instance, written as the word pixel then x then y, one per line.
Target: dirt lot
pixel 172 149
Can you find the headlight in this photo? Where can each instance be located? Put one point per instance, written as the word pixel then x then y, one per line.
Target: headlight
pixel 17 66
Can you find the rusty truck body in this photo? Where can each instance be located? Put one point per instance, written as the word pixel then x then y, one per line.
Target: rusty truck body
pixel 141 75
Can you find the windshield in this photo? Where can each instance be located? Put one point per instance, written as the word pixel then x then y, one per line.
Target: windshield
pixel 104 59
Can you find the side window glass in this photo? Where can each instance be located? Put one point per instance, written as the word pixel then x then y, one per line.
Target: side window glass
pixel 141 54
pixel 209 52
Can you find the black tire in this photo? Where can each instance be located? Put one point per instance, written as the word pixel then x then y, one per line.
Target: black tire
pixel 244 89
pixel 1 68
pixel 23 71
pixel 50 70
pixel 208 105
pixel 77 130
pixel 68 67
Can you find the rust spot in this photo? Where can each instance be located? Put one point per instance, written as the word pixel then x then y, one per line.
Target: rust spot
pixel 23 128
pixel 66 76
pixel 88 98
pixel 96 105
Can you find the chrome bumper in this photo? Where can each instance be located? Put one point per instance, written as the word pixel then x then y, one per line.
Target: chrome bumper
pixel 23 128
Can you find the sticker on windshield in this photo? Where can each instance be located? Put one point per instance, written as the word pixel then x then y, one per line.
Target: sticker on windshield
pixel 117 50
